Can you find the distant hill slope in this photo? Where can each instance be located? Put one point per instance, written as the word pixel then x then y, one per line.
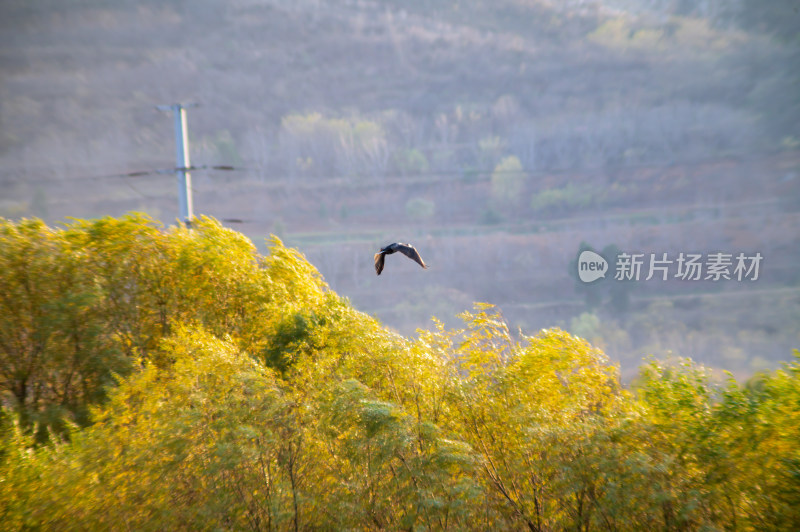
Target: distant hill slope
pixel 521 128
pixel 80 80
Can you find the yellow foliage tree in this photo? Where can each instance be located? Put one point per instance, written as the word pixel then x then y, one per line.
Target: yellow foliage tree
pixel 214 388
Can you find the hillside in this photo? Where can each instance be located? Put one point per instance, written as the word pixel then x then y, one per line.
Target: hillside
pixel 655 127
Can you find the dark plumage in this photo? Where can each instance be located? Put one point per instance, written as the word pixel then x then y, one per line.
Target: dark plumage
pixel 406 249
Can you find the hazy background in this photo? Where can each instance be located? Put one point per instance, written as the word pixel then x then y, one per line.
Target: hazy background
pixel 499 137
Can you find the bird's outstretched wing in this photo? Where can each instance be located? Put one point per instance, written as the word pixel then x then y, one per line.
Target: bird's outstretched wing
pixel 411 253
pixel 379 258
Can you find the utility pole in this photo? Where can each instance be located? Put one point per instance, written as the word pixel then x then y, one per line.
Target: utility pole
pixel 182 164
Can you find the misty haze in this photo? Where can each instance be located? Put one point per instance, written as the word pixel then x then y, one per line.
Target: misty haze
pixel 378 265
pixel 501 139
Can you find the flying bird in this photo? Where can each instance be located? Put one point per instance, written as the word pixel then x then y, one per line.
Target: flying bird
pixel 406 249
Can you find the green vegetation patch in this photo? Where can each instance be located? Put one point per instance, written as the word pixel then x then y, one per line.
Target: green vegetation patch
pixel 228 390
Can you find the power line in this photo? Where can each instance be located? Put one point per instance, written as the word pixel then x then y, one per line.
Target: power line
pixel 70 180
pixel 122 176
pixel 466 173
pixel 130 185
